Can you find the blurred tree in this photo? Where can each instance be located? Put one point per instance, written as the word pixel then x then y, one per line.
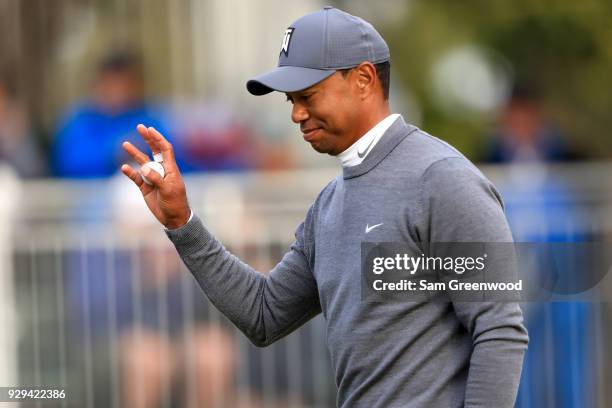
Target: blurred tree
pixel 564 46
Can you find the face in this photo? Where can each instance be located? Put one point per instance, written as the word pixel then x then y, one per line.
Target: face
pixel 117 90
pixel 522 120
pixel 327 113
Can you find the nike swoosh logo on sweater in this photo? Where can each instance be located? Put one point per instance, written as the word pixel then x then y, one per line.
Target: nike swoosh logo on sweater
pixel 362 155
pixel 368 228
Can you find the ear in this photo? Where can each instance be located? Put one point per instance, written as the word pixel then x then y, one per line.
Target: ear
pixel 366 79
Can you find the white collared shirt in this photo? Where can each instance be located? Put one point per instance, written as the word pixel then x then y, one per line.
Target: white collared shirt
pixel 359 150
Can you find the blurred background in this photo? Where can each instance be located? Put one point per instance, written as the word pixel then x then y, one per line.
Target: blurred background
pixel 92 295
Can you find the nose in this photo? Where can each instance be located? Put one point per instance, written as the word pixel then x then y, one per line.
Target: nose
pixel 299 113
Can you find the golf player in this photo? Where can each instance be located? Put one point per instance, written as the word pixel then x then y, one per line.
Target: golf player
pixel 397 184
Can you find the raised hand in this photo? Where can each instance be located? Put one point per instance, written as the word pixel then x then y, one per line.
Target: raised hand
pixel 166 197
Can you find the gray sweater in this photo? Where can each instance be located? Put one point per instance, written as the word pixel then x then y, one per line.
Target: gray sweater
pixel 385 354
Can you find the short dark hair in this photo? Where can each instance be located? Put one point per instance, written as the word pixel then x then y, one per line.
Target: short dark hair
pixel 383 72
pixel 120 62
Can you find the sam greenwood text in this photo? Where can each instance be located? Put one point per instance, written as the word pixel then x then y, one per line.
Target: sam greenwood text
pixel 454 284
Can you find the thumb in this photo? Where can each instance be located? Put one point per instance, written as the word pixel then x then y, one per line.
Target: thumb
pixel 150 176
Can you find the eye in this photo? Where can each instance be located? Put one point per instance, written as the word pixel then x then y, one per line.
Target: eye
pixel 289 99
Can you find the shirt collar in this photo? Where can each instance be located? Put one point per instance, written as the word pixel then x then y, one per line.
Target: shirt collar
pixel 358 151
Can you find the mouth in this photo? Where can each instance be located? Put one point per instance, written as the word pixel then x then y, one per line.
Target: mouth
pixel 309 134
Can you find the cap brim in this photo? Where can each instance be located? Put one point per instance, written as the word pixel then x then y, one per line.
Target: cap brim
pixel 286 79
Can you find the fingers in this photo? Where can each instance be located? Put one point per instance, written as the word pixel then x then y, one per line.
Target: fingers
pixel 132 174
pixel 144 132
pixel 133 151
pixel 164 147
pixel 158 144
pixel 153 177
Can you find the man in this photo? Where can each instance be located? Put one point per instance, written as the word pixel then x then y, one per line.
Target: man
pixel 398 184
pixel 87 141
pixel 19 147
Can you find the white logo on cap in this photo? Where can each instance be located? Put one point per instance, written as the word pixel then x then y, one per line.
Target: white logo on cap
pixel 286 40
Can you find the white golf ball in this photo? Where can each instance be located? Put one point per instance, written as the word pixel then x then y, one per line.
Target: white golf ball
pixel 153 166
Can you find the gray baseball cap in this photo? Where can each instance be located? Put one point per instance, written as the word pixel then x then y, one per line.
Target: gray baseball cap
pixel 318 44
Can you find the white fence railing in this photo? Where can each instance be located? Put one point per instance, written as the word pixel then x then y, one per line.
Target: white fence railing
pixel 8 315
pixel 94 299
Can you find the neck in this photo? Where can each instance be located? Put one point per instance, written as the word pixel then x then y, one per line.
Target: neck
pixel 371 117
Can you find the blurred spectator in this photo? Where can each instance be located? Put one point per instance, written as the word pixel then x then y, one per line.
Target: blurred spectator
pixel 540 208
pixel 525 134
pixel 559 369
pixel 17 145
pixel 138 299
pixel 88 141
pixel 125 298
pixel 211 137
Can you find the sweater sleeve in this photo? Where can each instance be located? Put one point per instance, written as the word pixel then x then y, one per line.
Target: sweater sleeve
pixel 264 307
pixel 461 205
